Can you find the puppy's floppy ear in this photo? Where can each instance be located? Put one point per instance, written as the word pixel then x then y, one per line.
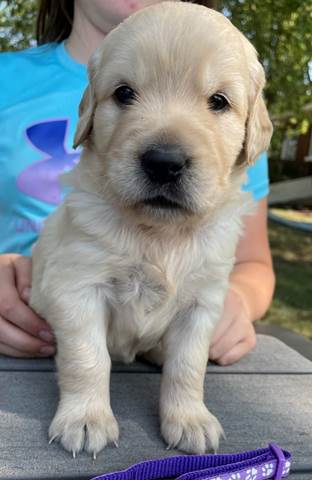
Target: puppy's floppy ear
pixel 87 106
pixel 258 127
pixel 86 111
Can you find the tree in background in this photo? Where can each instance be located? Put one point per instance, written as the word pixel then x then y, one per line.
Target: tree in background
pixel 281 31
pixel 17 24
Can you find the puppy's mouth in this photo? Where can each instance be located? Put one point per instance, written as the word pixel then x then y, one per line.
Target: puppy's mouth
pixel 162 202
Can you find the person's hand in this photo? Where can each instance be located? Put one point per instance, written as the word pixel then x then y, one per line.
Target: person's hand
pixel 22 332
pixel 235 334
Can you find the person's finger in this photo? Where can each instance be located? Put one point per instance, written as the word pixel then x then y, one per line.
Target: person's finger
pixel 16 338
pixel 223 326
pixel 230 338
pixel 232 304
pixel 237 352
pixel 12 352
pixel 13 309
pixel 15 277
pixel 16 312
pixel 22 266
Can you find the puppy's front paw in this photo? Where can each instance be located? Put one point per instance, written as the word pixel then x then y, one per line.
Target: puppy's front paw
pixel 78 428
pixel 191 428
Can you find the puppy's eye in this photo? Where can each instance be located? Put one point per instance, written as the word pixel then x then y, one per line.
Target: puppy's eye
pixel 218 102
pixel 124 95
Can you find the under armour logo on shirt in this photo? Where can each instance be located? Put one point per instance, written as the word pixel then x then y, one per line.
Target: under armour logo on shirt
pixel 40 180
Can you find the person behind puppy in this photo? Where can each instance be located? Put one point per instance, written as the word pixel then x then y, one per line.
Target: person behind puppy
pixel 41 92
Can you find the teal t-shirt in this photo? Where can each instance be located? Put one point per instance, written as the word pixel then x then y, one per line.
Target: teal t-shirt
pixel 40 90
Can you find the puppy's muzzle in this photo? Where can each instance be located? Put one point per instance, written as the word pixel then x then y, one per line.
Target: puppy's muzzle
pixel 164 163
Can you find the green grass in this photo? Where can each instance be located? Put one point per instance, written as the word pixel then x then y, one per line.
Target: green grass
pixel 292 256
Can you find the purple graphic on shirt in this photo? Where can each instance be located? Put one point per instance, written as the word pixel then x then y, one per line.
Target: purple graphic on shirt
pixel 40 180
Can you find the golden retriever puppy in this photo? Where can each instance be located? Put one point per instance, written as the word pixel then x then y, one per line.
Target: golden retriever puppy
pixel 137 258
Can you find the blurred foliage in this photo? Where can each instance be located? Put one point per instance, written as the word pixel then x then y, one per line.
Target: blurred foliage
pixel 17 24
pixel 281 31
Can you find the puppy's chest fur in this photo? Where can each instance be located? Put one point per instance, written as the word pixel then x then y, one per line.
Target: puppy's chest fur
pixel 145 285
pixel 144 298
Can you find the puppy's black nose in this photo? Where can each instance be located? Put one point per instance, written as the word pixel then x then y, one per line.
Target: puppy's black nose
pixel 164 163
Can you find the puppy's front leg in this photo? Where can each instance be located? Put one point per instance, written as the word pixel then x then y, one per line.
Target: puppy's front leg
pixel 84 418
pixel 185 421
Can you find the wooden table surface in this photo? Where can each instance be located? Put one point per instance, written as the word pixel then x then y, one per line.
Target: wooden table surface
pixel 267 396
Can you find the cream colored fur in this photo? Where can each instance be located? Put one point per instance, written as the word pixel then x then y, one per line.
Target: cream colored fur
pixel 115 278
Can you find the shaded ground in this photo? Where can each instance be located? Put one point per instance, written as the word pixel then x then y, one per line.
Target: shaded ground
pixel 292 256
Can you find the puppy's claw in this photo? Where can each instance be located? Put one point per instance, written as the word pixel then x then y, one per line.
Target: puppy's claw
pixel 52 439
pixel 116 444
pixel 172 445
pixel 94 456
pixel 74 454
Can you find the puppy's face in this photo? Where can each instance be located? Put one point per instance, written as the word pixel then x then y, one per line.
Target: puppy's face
pixel 174 102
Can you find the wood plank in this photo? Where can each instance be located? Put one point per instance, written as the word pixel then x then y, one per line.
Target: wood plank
pixel 254 410
pixel 270 356
pixel 291 190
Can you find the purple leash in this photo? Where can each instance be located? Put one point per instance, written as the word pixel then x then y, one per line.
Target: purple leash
pixel 265 463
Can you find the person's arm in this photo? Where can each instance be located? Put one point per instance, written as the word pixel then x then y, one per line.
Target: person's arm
pixel 251 288
pixel 22 332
